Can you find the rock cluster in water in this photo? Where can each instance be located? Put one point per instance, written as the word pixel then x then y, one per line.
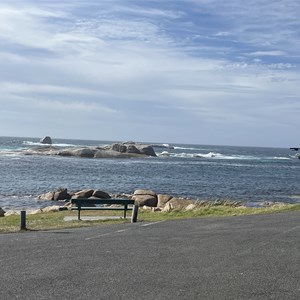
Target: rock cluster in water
pixel 116 150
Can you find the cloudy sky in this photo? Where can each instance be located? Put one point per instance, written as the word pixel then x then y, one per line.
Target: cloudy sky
pixel 187 71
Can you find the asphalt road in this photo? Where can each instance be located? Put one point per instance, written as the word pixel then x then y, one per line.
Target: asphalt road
pixel 249 257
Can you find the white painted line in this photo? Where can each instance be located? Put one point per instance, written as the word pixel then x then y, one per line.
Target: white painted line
pixel 106 234
pixel 292 229
pixel 120 231
pixel 149 224
pixel 98 236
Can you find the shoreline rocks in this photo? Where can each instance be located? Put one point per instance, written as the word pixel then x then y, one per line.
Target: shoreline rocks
pixel 145 199
pixel 62 194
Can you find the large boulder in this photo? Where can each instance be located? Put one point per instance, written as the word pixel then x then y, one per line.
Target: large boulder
pixel 144 192
pixel 47 196
pixel 61 194
pixel 46 140
pixel 87 193
pixel 2 212
pixel 162 199
pixel 100 194
pixel 180 203
pixel 145 198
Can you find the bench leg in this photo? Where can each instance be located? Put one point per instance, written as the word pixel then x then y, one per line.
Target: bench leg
pixel 79 209
pixel 125 210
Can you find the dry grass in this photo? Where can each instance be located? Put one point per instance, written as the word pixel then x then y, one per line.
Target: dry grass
pixel 48 221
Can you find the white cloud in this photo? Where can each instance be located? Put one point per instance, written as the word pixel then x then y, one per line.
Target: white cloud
pixel 24 88
pixel 150 60
pixel 72 106
pixel 267 53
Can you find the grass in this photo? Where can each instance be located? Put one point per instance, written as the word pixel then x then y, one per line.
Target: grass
pixel 55 220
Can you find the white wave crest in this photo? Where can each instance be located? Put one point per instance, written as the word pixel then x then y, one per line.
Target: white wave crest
pixel 210 155
pixel 191 155
pixel 214 155
pixel 30 143
pixel 185 148
pixel 165 153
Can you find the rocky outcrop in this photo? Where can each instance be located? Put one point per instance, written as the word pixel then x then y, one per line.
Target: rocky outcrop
pixel 116 150
pixel 46 140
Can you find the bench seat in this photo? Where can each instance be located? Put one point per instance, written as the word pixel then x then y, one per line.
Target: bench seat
pixel 123 204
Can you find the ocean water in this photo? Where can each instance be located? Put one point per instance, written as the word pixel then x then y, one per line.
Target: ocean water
pixel 246 174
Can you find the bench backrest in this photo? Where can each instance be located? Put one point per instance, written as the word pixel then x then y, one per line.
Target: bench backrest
pixel 81 201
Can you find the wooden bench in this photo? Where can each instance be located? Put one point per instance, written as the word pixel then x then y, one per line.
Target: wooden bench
pixel 123 204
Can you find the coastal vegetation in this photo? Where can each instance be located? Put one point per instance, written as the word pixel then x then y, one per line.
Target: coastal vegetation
pixel 56 220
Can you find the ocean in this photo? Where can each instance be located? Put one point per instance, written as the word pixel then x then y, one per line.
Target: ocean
pixel 251 175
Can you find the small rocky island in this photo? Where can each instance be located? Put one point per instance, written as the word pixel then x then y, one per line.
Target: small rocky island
pixel 116 150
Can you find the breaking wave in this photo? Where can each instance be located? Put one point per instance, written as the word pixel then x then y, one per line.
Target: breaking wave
pixel 217 155
pixel 29 143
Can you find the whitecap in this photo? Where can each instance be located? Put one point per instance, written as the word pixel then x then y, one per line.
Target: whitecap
pixel 185 148
pixel 209 155
pixel 164 153
pixel 30 143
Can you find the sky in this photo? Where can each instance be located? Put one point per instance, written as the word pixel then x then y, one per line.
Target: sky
pixel 211 72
